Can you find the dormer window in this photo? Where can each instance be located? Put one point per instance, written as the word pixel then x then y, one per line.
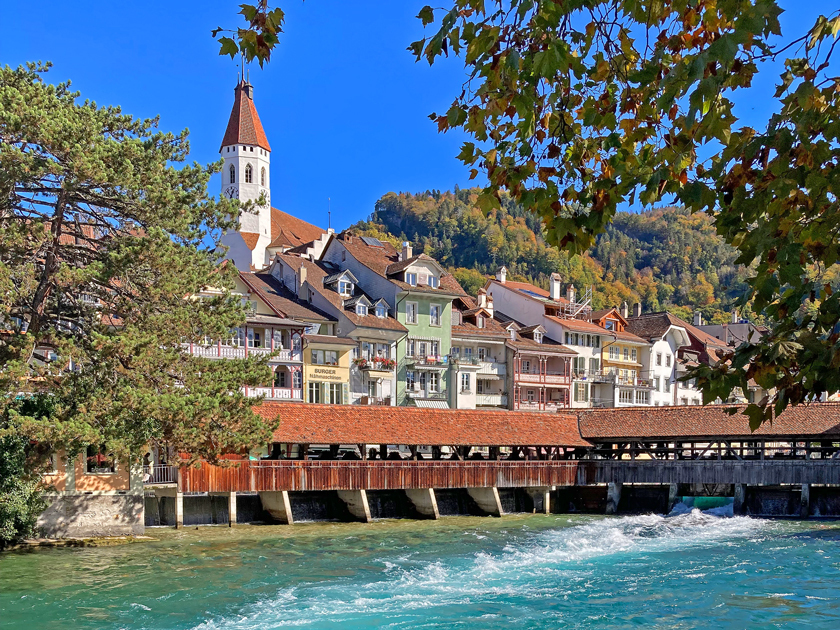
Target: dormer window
pixel 609 324
pixel 381 311
pixel 361 309
pixel 411 278
pixel 479 321
pixel 538 337
pixel 433 282
pixel 345 288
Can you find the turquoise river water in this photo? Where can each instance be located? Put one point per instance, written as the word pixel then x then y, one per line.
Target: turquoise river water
pixel 689 570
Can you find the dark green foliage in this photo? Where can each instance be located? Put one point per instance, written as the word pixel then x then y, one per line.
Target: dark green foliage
pixel 106 234
pixel 665 258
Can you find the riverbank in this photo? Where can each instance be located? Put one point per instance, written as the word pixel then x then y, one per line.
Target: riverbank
pixel 103 541
pixel 692 570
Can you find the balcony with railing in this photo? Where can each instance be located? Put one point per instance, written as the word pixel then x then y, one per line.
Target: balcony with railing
pixel 225 351
pixel 491 400
pixel 553 378
pixel 595 376
pixel 493 368
pixel 160 475
pixel 275 393
pixel 427 361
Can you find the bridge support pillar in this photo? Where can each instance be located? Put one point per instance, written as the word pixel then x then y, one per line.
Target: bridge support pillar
pixel 613 497
pixel 487 499
pixel 232 509
pixel 357 503
pixel 542 499
pixel 739 500
pixel 277 504
pixel 424 501
pixel 179 510
pixel 805 501
pixel 673 496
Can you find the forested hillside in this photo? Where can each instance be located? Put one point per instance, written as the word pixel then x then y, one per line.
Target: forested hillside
pixel 665 258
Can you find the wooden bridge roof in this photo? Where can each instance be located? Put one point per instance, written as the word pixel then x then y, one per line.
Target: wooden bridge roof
pixel 695 422
pixel 357 424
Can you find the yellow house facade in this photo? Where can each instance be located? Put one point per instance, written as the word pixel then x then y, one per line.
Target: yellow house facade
pixel 326 369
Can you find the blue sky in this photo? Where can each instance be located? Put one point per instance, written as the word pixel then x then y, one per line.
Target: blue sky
pixel 343 103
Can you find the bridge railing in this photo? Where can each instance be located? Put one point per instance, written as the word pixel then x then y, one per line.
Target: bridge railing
pixel 301 475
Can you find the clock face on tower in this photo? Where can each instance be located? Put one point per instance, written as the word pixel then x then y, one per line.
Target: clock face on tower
pixel 231 192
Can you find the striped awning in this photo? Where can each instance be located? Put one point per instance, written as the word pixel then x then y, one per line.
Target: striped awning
pixel 488 377
pixel 431 404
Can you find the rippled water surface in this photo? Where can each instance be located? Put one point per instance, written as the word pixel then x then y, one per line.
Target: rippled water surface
pixel 692 570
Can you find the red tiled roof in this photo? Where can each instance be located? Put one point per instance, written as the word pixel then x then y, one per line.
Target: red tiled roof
pixel 356 424
pixel 244 126
pixel 379 258
pixel 282 301
pixel 289 231
pixel 705 421
pixel 315 274
pixel 250 239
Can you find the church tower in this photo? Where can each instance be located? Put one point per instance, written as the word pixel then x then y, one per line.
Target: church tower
pixel 245 176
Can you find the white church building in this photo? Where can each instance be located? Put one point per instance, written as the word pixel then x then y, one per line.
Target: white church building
pixel 246 176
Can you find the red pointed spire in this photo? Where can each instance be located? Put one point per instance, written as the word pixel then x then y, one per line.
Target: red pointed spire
pixel 244 126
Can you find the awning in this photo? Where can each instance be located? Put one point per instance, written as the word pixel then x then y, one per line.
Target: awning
pixel 488 377
pixel 431 404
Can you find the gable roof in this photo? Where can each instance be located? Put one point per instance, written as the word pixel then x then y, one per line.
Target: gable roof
pixel 816 419
pixel 244 126
pixel 655 325
pixel 289 231
pixel 379 258
pixel 357 424
pixel 282 301
pixel 317 274
pixel 529 291
pixel 492 329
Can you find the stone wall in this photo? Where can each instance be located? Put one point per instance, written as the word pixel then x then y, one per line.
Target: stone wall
pixel 85 516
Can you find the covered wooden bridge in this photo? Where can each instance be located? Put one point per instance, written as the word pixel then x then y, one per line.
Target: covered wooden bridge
pixel 545 462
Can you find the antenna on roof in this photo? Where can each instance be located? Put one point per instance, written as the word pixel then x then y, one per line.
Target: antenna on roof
pixel 329 213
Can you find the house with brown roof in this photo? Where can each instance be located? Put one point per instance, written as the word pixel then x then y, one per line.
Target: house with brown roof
pixel 478 357
pixel 246 176
pixel 366 321
pixel 608 360
pixel 677 346
pixel 420 294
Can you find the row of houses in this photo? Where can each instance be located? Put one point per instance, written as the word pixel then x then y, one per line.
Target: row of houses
pixel 350 319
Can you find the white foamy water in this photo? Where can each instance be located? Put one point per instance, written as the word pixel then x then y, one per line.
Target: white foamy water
pixel 502 580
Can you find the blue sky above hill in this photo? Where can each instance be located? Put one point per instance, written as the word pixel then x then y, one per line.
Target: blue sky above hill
pixel 343 103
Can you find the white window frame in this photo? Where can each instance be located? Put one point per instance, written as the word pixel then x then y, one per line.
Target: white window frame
pixel 361 310
pixel 345 288
pixel 433 282
pixel 381 311
pixel 465 382
pixel 411 278
pixel 411 309
pixel 432 318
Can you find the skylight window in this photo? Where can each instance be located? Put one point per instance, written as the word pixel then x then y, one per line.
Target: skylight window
pixel 371 241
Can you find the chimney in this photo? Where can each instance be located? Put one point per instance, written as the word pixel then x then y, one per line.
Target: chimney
pixel 501 275
pixel 301 282
pixel 734 316
pixel 406 251
pixel 554 284
pixel 570 294
pixel 624 310
pixel 637 309
pixel 698 318
pixel 482 298
pixel 489 306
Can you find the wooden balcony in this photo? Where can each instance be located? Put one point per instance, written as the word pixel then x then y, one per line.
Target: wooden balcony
pixel 275 393
pixel 220 351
